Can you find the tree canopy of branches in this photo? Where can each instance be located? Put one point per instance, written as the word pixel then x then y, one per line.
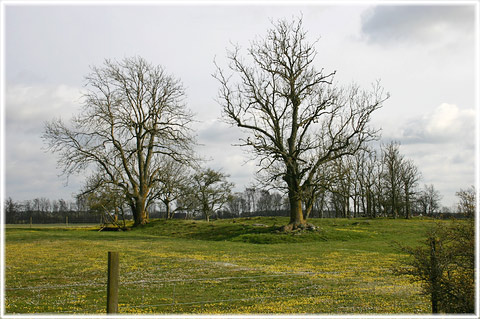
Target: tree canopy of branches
pixel 133 115
pixel 296 118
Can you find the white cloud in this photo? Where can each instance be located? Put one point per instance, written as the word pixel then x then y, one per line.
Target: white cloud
pixel 28 107
pixel 446 124
pixel 449 121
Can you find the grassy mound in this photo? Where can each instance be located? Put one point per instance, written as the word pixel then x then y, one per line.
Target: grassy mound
pixel 256 230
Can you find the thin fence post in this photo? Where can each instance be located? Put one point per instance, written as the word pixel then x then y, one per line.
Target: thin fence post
pixel 66 220
pixel 30 221
pixel 112 283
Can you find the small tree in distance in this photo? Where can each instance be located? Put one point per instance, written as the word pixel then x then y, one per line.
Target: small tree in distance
pixel 296 118
pixel 429 200
pixel 467 202
pixel 171 184
pixel 104 200
pixel 209 191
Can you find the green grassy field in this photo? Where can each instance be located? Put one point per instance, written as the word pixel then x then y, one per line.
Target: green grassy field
pixel 225 266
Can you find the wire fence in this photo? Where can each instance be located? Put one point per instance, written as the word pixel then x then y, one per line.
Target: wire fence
pixel 282 292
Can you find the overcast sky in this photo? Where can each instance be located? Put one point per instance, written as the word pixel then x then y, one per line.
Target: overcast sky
pixel 423 54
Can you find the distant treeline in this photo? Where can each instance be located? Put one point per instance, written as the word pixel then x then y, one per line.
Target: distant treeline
pixel 251 202
pixel 46 211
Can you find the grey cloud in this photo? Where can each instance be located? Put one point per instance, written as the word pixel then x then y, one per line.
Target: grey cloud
pixel 442 144
pixel 217 141
pixel 28 107
pixel 416 23
pixel 29 170
pixel 448 166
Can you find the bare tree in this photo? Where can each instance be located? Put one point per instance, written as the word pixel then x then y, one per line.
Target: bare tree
pixel 367 175
pixel 342 186
pixel 392 162
pixel 210 191
pixel 429 200
pixel 467 202
pixel 104 199
pixel 132 116
pixel 296 118
pixel 324 179
pixel 409 179
pixel 236 204
pixel 171 184
pixel 251 197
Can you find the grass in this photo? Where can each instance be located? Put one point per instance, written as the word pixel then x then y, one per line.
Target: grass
pixel 225 266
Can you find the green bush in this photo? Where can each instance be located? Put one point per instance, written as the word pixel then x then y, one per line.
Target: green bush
pixel 445 265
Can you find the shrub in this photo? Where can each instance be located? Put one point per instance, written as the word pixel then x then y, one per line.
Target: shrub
pixel 445 265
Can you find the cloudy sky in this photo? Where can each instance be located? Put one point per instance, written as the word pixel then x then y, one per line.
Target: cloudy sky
pixel 423 54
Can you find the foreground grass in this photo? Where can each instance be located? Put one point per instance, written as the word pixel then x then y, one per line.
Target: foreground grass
pixel 225 266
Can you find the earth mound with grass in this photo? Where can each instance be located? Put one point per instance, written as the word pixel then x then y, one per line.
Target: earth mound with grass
pixel 256 230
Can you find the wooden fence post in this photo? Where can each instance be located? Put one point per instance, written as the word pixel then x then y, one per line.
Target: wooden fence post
pixel 112 283
pixel 66 220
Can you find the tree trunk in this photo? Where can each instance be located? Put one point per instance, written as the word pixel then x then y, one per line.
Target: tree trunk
pixel 167 209
pixel 407 205
pixel 139 212
pixel 296 213
pixel 309 206
pixel 369 204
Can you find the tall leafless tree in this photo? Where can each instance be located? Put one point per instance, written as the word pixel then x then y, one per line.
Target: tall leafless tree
pixel 409 180
pixel 133 114
pixel 294 115
pixel 392 161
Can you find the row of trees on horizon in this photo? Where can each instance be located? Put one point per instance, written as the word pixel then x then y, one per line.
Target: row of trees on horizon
pixel 370 184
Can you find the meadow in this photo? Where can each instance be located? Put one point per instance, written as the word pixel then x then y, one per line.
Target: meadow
pixel 233 266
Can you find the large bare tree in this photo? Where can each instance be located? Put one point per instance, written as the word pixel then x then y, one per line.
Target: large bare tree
pixel 133 115
pixel 296 118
